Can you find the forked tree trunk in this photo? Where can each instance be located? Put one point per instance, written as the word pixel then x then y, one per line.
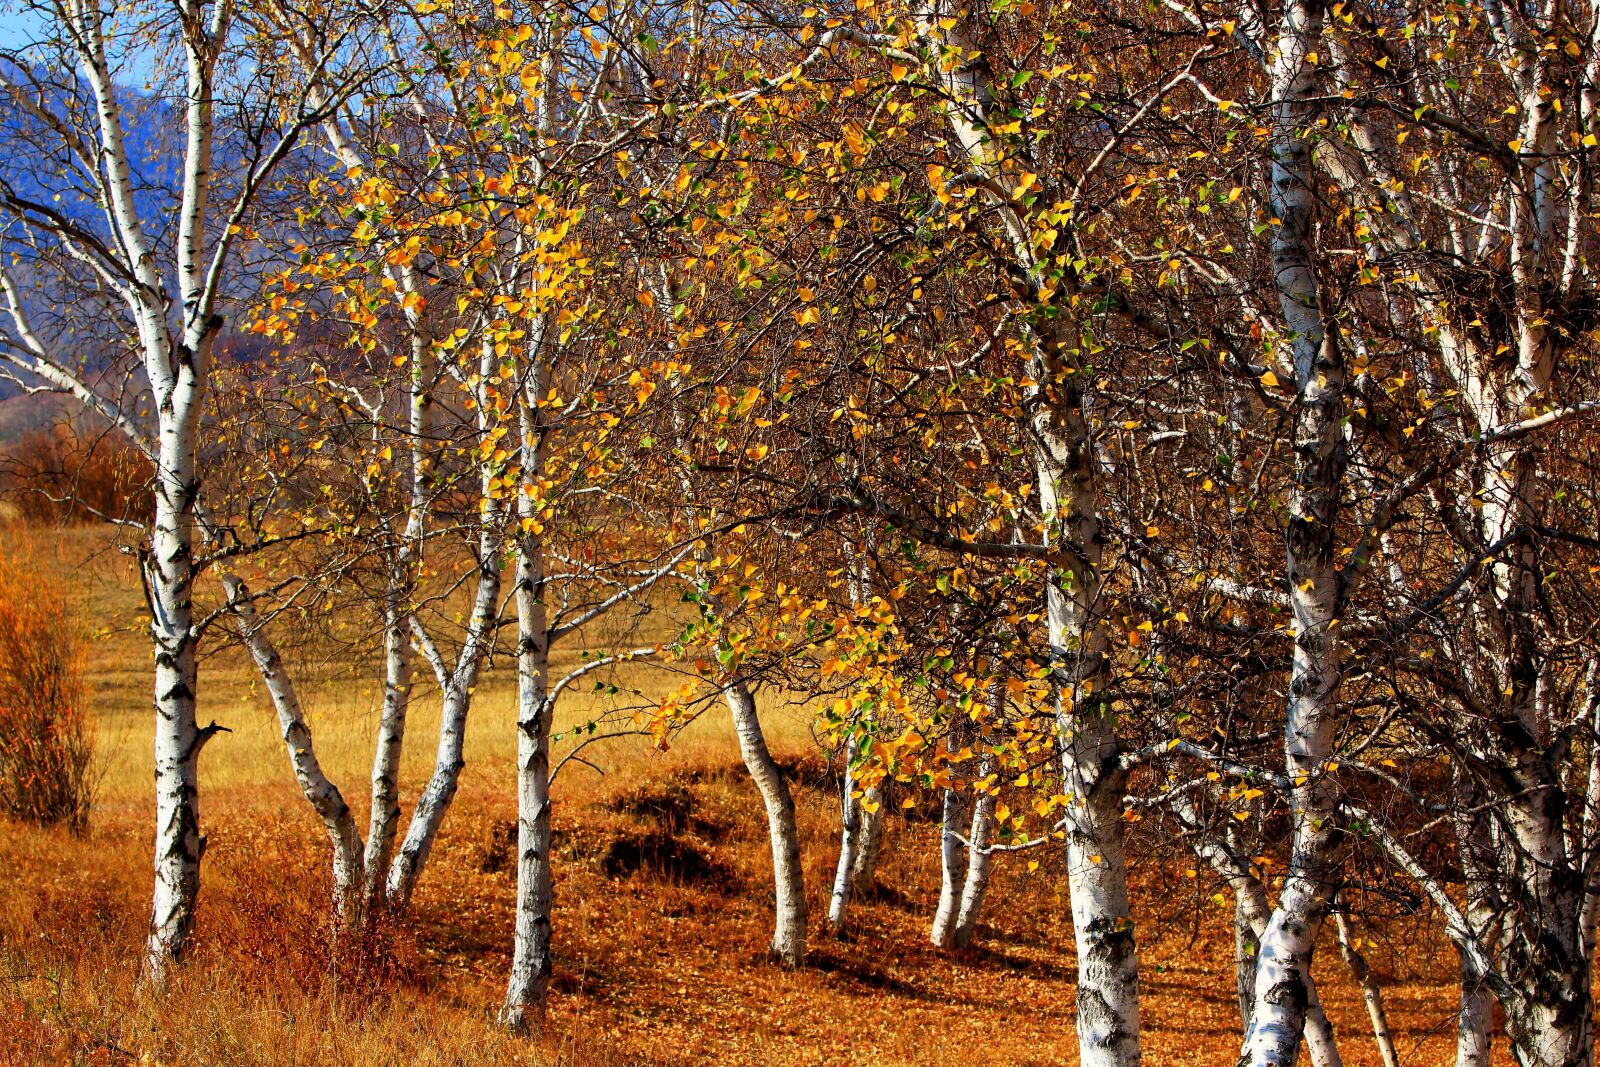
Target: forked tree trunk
pixel 457 684
pixel 979 859
pixel 789 927
pixel 860 816
pixel 952 866
pixel 1251 914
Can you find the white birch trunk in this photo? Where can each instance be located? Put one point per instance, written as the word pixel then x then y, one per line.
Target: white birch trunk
pixel 460 683
pixel 1474 1020
pixel 324 797
pixel 1371 994
pixel 178 738
pixel 952 866
pixel 1108 968
pixel 783 834
pixel 861 818
pixel 456 701
pixel 864 871
pixel 1102 919
pixel 531 959
pixel 1283 971
pixel 851 832
pixel 790 914
pixel 979 859
pixel 383 822
pixel 178 372
pixel 1245 949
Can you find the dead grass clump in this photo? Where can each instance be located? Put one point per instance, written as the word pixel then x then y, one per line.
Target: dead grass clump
pixel 670 805
pixel 496 846
pixel 271 927
pixel 810 772
pixel 661 855
pixel 45 740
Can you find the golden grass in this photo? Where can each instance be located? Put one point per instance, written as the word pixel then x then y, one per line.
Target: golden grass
pixel 651 969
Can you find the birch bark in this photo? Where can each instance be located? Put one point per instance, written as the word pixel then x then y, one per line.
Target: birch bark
pixel 789 933
pixel 1064 464
pixel 789 929
pixel 1315 585
pixel 531 961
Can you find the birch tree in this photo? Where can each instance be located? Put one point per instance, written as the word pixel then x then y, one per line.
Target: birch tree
pixel 169 291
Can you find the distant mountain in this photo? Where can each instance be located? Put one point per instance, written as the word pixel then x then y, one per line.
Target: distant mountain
pixel 36 166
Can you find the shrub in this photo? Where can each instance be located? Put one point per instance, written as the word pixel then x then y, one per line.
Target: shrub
pixel 61 475
pixel 45 738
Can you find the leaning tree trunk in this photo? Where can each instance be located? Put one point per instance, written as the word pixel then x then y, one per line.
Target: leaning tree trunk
pixel 790 917
pixel 789 928
pixel 325 798
pixel 1370 993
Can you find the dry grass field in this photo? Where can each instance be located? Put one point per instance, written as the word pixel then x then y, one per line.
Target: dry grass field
pixel 663 964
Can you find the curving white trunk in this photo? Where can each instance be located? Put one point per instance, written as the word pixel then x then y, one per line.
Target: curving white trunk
pixel 783 834
pixel 325 798
pixel 1371 994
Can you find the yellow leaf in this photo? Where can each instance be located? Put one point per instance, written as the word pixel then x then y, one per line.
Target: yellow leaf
pixel 1269 380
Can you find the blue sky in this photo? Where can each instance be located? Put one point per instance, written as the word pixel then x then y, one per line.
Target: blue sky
pixel 19 27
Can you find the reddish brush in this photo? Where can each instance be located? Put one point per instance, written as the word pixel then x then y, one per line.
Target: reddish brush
pixel 45 740
pixel 60 475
